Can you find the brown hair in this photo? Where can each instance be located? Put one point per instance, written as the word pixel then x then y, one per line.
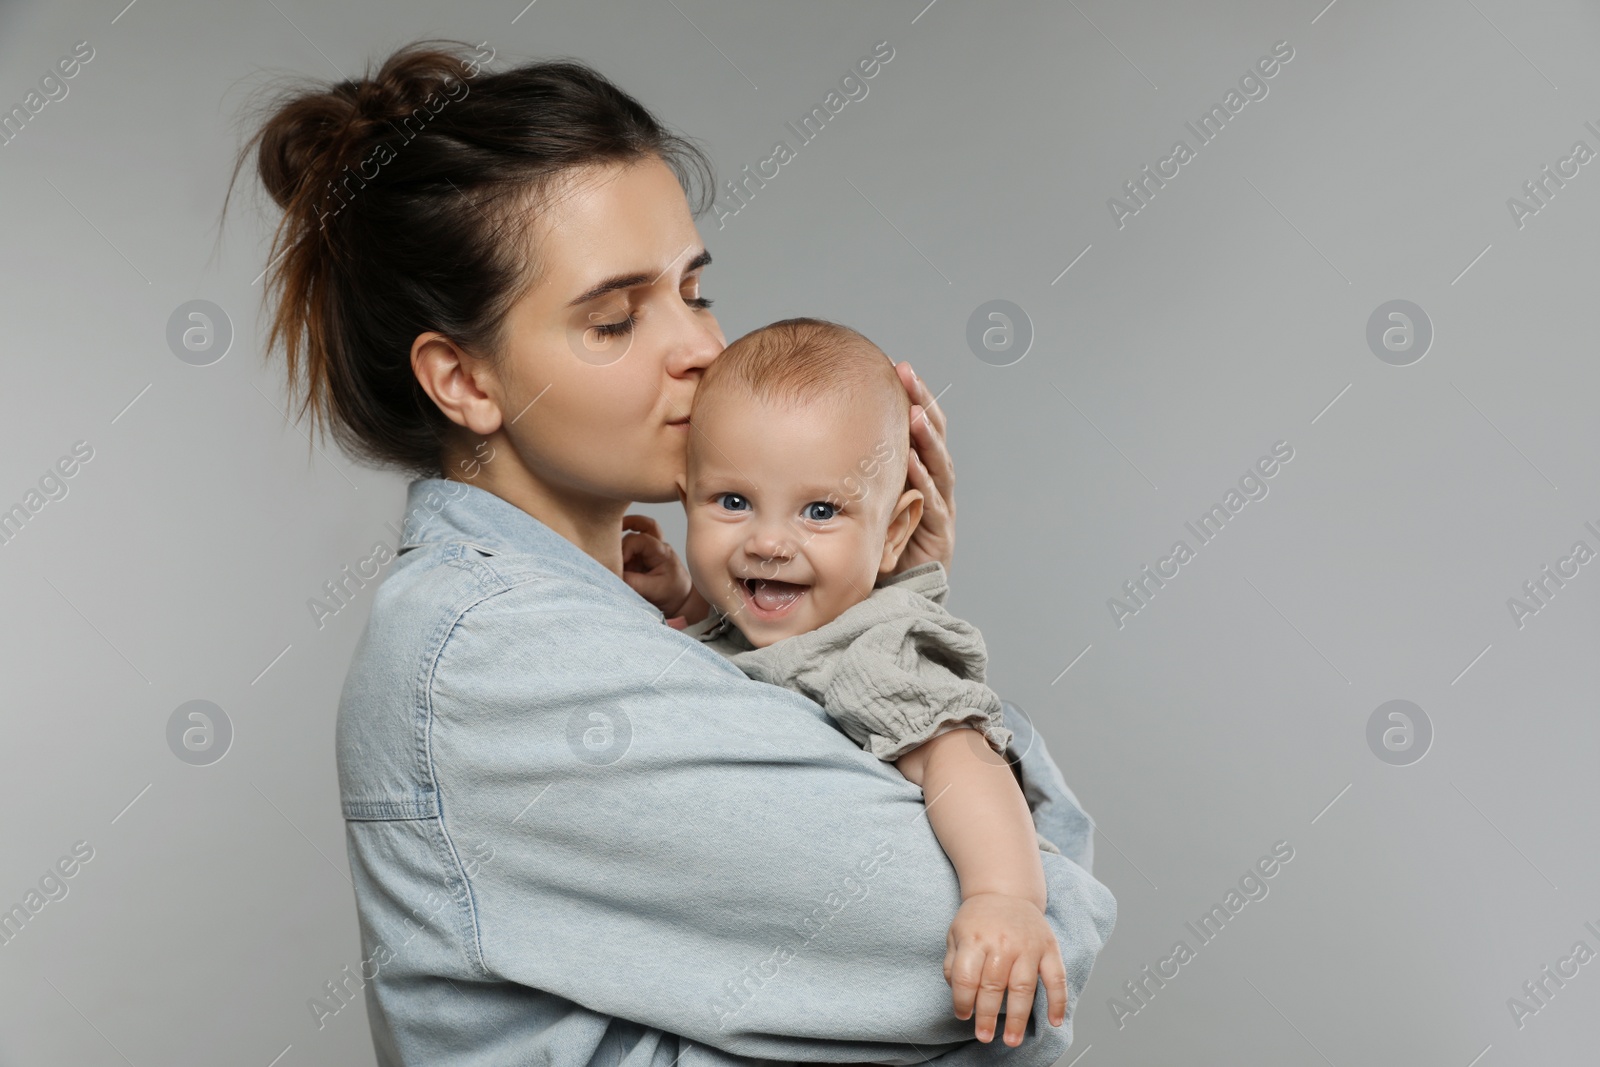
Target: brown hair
pixel 407 197
pixel 805 360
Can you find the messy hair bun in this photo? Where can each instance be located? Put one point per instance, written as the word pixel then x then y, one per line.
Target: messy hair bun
pixel 315 132
pixel 407 196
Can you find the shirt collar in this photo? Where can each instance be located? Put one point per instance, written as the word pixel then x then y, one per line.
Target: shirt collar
pixel 443 511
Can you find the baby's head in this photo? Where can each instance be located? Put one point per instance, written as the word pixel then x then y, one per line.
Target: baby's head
pixel 795 486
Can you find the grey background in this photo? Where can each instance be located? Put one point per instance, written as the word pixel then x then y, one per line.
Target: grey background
pixel 1224 317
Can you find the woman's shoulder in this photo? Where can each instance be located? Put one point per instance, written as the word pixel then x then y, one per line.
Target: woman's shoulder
pixel 476 589
pixel 452 609
pixel 465 649
pixel 444 580
pixel 463 546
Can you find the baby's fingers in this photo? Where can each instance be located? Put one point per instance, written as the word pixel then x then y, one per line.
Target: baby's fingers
pixel 991 995
pixel 964 970
pixel 642 552
pixel 1055 984
pixel 1019 1004
pixel 641 523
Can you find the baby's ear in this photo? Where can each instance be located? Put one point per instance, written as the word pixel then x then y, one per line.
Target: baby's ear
pixel 902 524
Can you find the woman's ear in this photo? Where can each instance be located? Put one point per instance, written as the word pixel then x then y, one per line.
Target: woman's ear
pixel 455 381
pixel 907 513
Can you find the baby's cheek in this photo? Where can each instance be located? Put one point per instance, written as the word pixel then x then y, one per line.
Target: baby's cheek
pixel 847 570
pixel 693 551
pixel 869 558
pixel 708 570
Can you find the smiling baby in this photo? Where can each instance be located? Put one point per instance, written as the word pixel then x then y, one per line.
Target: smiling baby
pixel 798 511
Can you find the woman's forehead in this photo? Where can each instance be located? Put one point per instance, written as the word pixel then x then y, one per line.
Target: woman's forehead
pixel 604 223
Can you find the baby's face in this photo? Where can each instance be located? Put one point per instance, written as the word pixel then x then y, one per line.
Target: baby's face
pixel 789 510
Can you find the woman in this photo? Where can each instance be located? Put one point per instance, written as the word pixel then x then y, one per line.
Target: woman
pixel 576 835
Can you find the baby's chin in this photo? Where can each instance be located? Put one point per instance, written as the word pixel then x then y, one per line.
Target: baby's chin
pixel 760 637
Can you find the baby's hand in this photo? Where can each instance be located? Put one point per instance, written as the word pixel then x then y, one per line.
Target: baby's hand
pixel 999 943
pixel 651 567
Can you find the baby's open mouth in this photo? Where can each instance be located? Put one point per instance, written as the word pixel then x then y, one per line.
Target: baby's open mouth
pixel 770 598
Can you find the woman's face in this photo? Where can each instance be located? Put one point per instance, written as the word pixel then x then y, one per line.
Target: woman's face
pixel 605 350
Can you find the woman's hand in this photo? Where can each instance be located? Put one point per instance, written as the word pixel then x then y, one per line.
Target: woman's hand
pixel 654 571
pixel 934 473
pixel 997 944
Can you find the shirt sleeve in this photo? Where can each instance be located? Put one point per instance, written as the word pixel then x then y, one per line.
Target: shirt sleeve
pixel 679 846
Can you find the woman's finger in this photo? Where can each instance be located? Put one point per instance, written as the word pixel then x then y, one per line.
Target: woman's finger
pixel 934 504
pixel 917 475
pixel 934 536
pixel 935 454
pixel 918 390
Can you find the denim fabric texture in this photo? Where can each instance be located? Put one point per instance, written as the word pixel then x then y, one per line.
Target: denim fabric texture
pixel 580 837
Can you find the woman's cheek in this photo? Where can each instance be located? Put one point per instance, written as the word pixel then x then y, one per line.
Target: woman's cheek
pixel 638 401
pixel 613 410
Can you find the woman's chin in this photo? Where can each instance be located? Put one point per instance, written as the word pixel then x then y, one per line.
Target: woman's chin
pixel 664 491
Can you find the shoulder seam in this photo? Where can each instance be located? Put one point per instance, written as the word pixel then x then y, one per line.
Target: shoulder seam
pixel 433 781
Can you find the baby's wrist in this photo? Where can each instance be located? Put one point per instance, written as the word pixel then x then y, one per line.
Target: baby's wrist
pixel 694 607
pixel 1034 896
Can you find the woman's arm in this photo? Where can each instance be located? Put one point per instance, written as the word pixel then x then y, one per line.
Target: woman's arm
pixel 681 847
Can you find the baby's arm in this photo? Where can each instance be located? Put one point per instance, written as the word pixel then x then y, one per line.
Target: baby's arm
pixel 893 672
pixel 999 940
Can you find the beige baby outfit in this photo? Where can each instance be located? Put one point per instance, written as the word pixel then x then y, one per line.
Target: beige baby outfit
pixel 892 671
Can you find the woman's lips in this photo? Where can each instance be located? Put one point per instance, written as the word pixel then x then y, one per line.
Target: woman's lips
pixel 768 599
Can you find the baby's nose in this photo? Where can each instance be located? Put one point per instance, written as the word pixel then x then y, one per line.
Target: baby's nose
pixel 770 546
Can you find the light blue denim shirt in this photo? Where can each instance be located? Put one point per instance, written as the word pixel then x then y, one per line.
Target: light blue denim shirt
pixel 580 837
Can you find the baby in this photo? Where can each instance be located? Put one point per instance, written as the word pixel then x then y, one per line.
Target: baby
pixel 798 510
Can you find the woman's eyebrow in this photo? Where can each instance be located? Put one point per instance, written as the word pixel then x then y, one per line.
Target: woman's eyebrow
pixel 628 281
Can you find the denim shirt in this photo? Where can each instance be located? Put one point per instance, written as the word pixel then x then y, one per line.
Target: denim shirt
pixel 580 837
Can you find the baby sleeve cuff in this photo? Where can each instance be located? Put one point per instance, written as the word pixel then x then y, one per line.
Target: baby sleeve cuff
pixel 889 748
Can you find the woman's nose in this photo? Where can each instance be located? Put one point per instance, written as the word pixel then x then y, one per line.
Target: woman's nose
pixel 699 342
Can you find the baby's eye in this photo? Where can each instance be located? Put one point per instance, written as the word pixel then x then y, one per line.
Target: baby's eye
pixel 820 511
pixel 732 501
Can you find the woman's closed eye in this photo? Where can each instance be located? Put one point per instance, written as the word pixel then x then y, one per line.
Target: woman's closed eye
pixel 626 323
pixel 690 291
pixel 615 329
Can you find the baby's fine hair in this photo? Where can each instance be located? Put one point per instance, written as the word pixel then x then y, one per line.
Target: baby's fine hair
pixel 805 360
